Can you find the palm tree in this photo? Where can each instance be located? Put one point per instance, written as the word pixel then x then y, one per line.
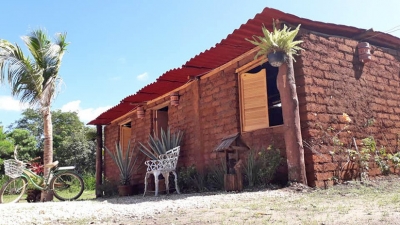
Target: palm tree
pixel 35 80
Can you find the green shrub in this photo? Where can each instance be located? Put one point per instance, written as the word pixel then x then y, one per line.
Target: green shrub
pixel 3 179
pixel 251 168
pixel 260 166
pixel 395 160
pixel 90 181
pixel 215 176
pixel 190 180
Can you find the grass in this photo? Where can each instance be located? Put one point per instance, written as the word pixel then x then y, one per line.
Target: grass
pixel 88 195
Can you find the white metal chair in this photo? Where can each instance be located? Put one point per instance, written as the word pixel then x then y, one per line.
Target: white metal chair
pixel 165 164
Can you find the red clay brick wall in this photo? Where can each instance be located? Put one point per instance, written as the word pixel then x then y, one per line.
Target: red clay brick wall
pixel 140 131
pixel 208 110
pixel 332 81
pixel 218 110
pixel 111 135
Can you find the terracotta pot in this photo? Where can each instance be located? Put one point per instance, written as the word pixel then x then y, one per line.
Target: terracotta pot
pixel 174 98
pixel 140 112
pixel 125 190
pixel 364 52
pixel 276 58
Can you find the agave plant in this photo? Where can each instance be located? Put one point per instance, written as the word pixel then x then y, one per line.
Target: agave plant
pixel 158 146
pixel 125 161
pixel 279 40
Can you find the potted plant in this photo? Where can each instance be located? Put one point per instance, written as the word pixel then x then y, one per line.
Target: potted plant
pixel 278 45
pixel 126 162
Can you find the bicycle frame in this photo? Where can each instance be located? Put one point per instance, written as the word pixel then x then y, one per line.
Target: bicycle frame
pixel 31 176
pixel 62 182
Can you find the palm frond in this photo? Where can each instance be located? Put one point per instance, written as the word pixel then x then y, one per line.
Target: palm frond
pixel 33 81
pixel 277 40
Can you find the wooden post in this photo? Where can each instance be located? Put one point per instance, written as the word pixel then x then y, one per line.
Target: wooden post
pixel 198 130
pixel 99 161
pixel 291 118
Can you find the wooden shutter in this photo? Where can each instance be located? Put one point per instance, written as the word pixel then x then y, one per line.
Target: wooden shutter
pixel 125 137
pixel 254 101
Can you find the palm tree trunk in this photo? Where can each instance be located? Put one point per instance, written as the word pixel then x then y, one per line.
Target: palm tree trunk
pixel 48 140
pixel 291 118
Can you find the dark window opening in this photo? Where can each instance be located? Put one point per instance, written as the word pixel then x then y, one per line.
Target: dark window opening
pixel 127 125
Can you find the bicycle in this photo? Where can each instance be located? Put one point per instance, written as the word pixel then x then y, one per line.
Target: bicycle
pixel 62 181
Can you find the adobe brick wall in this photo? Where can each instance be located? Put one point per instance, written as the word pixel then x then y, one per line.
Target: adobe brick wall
pixel 332 81
pixel 208 110
pixel 140 131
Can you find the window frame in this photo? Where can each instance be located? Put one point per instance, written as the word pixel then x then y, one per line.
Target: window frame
pixel 122 134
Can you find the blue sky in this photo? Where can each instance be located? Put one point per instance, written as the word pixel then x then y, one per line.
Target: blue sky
pixel 117 47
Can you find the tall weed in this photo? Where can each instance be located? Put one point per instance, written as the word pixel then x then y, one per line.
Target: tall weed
pixel 90 181
pixel 215 175
pixel 261 165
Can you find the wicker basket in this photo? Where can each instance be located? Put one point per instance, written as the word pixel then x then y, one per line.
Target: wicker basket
pixel 13 168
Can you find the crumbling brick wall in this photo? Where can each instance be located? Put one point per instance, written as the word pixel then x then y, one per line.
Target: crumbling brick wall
pixel 331 81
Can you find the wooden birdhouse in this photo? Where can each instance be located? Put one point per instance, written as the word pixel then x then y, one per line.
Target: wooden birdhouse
pixel 232 146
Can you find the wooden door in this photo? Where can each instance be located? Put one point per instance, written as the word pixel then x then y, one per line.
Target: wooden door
pixel 161 122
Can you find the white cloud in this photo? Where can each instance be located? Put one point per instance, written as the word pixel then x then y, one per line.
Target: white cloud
pixel 85 115
pixel 143 76
pixel 10 104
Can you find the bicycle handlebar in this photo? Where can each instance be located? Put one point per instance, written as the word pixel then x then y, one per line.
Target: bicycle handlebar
pixel 19 161
pixel 16 155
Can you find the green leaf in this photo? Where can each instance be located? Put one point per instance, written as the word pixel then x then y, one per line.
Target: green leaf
pixel 277 40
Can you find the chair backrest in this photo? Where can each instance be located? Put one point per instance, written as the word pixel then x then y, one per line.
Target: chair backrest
pixel 170 153
pixel 167 161
pixel 170 158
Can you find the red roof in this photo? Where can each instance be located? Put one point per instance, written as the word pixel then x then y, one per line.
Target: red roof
pixel 228 49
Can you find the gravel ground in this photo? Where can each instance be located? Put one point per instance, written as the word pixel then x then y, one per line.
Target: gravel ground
pixel 118 210
pixel 372 202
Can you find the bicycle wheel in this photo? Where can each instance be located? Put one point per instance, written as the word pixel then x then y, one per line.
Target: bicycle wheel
pixel 67 186
pixel 13 190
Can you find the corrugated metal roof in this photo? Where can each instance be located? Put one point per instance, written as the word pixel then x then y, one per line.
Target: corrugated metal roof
pixel 228 49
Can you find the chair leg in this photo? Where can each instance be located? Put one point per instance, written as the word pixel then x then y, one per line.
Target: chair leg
pixel 176 182
pixel 156 174
pixel 166 178
pixel 145 184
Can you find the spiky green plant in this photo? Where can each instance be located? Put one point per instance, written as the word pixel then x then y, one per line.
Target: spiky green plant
pixel 277 40
pixel 158 146
pixel 125 160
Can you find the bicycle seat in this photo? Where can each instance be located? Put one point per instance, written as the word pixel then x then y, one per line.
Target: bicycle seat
pixel 51 165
